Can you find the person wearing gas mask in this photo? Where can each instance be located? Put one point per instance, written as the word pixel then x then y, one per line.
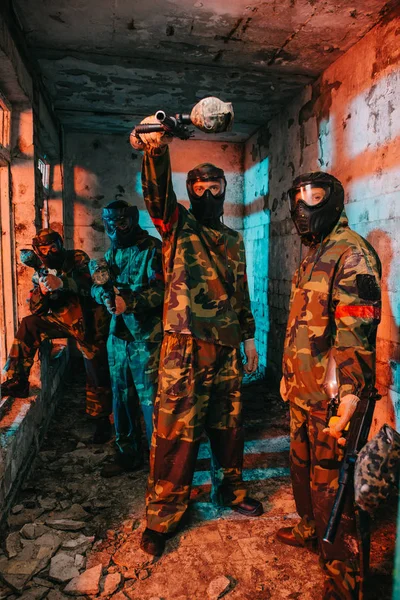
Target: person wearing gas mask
pixel 206 317
pixel 135 266
pixel 334 313
pixel 61 306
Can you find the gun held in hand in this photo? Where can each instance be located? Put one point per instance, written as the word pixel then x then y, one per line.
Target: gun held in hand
pixel 30 259
pixel 101 276
pixel 360 425
pixel 210 115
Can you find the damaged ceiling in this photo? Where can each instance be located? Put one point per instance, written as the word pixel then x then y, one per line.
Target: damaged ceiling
pixel 108 63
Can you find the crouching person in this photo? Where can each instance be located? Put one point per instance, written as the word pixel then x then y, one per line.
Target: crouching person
pixel 135 302
pixel 61 306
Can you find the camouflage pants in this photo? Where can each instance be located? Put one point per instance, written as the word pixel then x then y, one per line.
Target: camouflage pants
pixel 315 460
pixel 199 389
pixel 133 371
pixel 35 329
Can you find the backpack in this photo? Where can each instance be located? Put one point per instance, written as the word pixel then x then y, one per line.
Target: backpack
pixel 377 469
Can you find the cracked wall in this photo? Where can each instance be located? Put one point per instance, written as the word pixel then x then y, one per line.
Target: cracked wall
pixel 347 123
pixel 100 168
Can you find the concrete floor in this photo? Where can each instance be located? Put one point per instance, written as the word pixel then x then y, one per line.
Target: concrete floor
pixel 219 552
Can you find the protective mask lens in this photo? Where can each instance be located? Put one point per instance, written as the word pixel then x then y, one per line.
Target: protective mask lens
pixel 311 195
pixel 216 187
pixel 48 249
pixel 120 224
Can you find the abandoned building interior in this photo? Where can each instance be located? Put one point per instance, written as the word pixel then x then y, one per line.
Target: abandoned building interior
pixel 314 86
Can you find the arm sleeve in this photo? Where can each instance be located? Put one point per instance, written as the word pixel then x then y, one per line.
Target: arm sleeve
pixel 78 278
pixel 357 308
pixel 38 302
pixel 152 295
pixel 158 193
pixel 245 315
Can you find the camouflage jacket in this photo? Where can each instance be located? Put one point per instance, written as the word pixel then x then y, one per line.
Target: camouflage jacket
pixel 72 304
pixel 335 304
pixel 137 274
pixel 206 292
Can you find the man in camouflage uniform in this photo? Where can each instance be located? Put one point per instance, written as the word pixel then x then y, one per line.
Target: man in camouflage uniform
pixel 334 314
pixel 206 317
pixel 61 306
pixel 135 268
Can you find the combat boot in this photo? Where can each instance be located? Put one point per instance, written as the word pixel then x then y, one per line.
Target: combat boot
pixel 249 507
pixel 103 431
pixel 122 464
pixel 153 542
pixel 286 536
pixel 16 387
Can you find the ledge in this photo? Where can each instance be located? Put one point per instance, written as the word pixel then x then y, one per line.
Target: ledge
pixel 24 421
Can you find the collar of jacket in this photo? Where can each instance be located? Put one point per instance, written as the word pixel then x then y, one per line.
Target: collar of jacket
pixel 341 224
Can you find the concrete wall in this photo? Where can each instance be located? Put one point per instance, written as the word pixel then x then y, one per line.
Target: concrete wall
pixel 34 132
pixel 347 123
pixel 102 168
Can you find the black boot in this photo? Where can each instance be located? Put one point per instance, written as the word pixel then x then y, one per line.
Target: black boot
pixel 248 507
pixel 153 542
pixel 16 387
pixel 103 431
pixel 122 464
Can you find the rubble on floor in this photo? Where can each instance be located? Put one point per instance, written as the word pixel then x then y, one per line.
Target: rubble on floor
pixel 73 534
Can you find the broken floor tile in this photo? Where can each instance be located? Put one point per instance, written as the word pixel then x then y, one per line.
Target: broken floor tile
pixel 111 583
pixel 218 587
pixel 87 584
pixel 65 524
pixel 62 568
pixel 34 557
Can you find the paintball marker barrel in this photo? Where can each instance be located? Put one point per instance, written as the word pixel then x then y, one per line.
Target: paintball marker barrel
pixel 360 425
pixel 101 276
pixel 210 115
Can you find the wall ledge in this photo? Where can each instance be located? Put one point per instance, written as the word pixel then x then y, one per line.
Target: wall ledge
pixel 23 424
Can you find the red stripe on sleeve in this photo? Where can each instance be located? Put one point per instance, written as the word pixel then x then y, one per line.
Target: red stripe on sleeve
pixel 363 312
pixel 166 227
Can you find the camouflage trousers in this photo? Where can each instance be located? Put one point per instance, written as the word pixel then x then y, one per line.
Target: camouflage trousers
pixel 133 371
pixel 35 329
pixel 199 390
pixel 315 461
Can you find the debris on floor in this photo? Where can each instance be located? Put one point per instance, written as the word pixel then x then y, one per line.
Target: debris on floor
pixel 72 533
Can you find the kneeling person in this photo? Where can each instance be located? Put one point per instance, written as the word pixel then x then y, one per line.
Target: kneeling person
pixel 62 307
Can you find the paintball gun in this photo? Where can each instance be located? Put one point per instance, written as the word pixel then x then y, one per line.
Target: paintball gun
pixel 100 272
pixel 30 259
pixel 357 437
pixel 210 115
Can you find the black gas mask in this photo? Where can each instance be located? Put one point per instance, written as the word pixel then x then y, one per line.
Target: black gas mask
pixel 121 222
pixel 316 202
pixel 48 245
pixel 206 185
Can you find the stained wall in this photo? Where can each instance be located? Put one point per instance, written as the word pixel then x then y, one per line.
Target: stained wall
pixel 347 123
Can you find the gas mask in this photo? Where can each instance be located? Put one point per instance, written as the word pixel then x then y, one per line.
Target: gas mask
pixel 48 246
pixel 121 222
pixel 316 202
pixel 206 186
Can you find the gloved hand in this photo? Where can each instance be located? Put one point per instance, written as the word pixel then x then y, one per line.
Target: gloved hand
pixel 146 141
pixel 251 355
pixel 50 283
pixel 345 411
pixel 120 305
